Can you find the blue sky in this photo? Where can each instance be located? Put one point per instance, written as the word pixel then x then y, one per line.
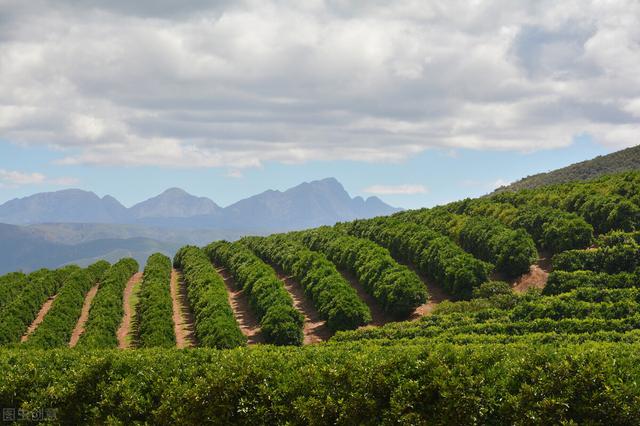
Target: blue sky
pixel 447 175
pixel 419 102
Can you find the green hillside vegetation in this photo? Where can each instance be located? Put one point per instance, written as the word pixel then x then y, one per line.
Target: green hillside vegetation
pixel 617 162
pixel 565 351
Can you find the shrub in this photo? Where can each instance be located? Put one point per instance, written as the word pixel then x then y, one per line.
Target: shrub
pixel 155 306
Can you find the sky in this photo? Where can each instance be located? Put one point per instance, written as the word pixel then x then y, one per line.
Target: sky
pixel 417 102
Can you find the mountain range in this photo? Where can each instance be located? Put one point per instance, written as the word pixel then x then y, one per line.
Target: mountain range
pixel 75 226
pixel 308 204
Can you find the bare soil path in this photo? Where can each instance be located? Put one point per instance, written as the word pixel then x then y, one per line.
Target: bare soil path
pixel 46 306
pixel 436 295
pixel 378 317
pixel 129 311
pixel 183 320
pixel 536 277
pixel 315 329
pixel 84 315
pixel 249 324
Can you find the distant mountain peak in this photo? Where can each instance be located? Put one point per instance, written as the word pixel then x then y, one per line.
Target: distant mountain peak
pixel 174 190
pixel 318 202
pixel 174 203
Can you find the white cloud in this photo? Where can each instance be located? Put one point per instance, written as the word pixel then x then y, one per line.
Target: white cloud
pixel 396 189
pixel 13 178
pixel 240 83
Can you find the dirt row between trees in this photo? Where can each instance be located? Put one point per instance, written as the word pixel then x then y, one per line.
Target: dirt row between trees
pixel 315 329
pixel 536 277
pixel 46 306
pixel 124 331
pixel 436 295
pixel 378 317
pixel 84 316
pixel 183 319
pixel 247 321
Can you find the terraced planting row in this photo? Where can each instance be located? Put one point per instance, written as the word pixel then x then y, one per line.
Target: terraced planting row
pixel 304 286
pixel 298 296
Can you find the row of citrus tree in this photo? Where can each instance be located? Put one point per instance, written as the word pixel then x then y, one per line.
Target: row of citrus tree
pixel 333 297
pixel 21 311
pixel 154 313
pixel 215 325
pixel 512 251
pixel 280 322
pixel 397 289
pixel 57 327
pixel 433 254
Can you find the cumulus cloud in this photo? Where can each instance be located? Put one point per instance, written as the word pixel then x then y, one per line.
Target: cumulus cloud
pixel 14 178
pixel 396 189
pixel 235 84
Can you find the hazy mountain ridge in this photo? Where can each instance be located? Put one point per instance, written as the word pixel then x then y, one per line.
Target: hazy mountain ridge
pixel 616 162
pixel 309 204
pixel 23 249
pixel 75 226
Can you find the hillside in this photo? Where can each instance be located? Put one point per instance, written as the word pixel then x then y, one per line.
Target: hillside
pixel 497 310
pixel 620 161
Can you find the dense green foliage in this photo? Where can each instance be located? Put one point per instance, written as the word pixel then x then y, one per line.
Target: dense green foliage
pixel 610 259
pixel 512 251
pixel 433 254
pixel 11 285
pixel 616 238
pixel 333 297
pixel 398 290
pixel 107 307
pixel 57 326
pixel 280 322
pixel 584 310
pixel 215 325
pixel 609 203
pixel 553 230
pixel 17 315
pixel 596 383
pixel 155 308
pixel 563 281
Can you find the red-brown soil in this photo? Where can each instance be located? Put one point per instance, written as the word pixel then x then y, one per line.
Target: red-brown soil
pixel 436 295
pixel 315 328
pixel 84 315
pixel 125 326
pixel 249 324
pixel 536 277
pixel 183 320
pixel 46 306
